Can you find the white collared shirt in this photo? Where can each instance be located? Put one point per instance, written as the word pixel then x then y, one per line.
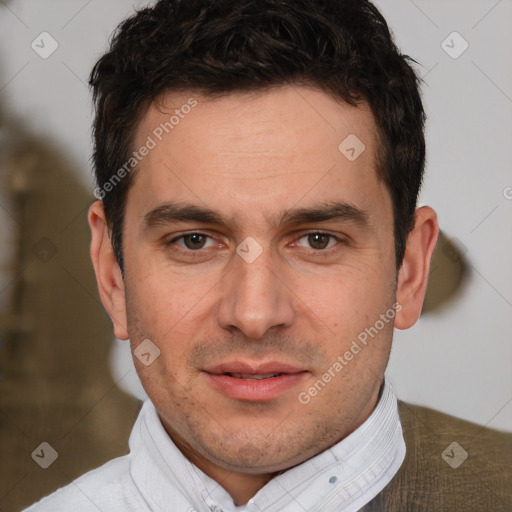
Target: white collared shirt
pixel 156 476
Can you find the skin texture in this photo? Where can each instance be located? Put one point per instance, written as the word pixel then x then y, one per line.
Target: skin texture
pixel 302 301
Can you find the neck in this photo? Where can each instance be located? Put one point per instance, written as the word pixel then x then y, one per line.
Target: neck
pixel 241 486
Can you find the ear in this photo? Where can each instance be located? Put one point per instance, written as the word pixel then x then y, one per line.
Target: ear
pixel 413 274
pixel 108 274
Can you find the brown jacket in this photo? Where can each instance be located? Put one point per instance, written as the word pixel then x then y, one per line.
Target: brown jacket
pixel 436 476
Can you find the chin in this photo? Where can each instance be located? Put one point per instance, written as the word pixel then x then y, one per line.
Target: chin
pixel 253 451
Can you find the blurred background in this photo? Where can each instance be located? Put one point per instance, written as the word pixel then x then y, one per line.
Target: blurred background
pixel 65 381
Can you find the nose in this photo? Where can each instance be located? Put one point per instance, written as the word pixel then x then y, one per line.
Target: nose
pixel 254 297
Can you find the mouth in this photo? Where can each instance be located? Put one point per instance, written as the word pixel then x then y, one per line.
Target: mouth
pixel 250 376
pixel 254 382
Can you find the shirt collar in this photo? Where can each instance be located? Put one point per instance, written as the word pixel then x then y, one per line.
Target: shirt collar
pixel 342 478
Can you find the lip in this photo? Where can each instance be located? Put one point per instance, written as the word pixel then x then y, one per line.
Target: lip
pixel 253 389
pixel 253 368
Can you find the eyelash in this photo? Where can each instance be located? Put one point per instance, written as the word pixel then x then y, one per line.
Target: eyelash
pixel 311 250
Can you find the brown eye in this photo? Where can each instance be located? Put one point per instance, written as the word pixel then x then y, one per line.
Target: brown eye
pixel 318 240
pixel 191 242
pixel 194 241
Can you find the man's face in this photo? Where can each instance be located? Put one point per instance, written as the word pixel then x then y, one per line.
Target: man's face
pixel 251 307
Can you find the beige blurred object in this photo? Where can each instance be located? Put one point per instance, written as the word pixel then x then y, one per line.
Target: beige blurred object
pixel 448 273
pixel 55 384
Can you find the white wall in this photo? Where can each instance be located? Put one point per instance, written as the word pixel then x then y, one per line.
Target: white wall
pixel 458 360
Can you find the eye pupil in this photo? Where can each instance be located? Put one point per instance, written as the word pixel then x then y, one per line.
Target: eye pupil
pixel 318 240
pixel 194 241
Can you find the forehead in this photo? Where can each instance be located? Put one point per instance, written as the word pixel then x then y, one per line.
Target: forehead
pixel 239 149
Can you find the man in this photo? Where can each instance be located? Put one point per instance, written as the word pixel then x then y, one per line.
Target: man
pixel 256 238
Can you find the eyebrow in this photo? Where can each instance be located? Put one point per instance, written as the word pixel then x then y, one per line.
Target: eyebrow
pixel 169 213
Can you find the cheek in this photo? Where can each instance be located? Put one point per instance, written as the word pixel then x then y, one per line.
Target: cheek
pixel 351 299
pixel 173 312
pixel 166 297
